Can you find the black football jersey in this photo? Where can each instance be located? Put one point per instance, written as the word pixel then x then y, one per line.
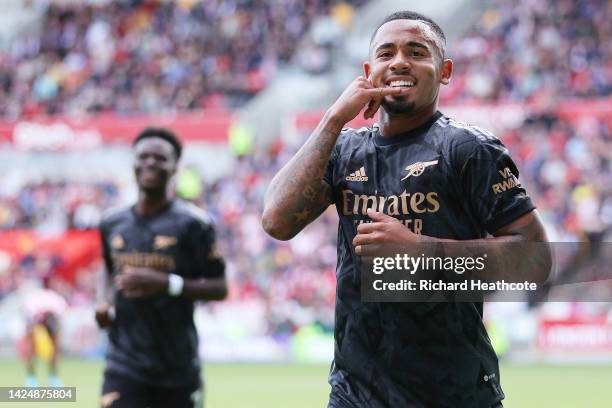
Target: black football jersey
pixel 443 179
pixel 153 339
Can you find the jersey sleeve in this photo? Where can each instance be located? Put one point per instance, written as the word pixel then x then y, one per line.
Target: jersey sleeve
pixel 106 252
pixel 208 263
pixel 490 181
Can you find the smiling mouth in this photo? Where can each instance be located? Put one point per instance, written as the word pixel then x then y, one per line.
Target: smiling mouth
pixel 401 84
pixel 149 174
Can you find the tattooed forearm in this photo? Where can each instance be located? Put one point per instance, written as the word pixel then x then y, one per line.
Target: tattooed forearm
pixel 297 195
pixel 517 252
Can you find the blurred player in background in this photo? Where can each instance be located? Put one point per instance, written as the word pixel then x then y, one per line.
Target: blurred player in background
pixel 43 307
pixel 160 256
pixel 417 176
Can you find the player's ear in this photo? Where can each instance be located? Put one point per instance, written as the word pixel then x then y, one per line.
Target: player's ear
pixel 367 70
pixel 446 71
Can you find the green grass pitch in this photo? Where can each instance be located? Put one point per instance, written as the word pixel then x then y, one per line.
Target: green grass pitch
pixel 305 386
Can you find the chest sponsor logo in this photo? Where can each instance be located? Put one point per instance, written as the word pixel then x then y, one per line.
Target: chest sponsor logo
pixel 153 260
pixel 418 168
pixel 402 204
pixel 117 242
pixel 359 175
pixel 163 242
pixel 408 206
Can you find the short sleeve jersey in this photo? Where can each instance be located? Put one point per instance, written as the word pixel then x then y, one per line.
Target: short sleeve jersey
pixel 153 339
pixel 443 179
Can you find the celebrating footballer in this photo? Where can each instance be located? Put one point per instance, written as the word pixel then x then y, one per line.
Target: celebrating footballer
pixel 416 176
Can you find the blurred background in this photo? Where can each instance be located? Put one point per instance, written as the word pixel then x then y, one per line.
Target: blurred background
pixel 243 82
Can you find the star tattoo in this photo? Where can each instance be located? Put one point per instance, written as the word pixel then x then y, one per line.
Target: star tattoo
pixel 303 215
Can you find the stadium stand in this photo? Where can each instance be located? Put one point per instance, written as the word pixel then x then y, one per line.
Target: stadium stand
pixel 535 50
pixel 146 56
pixel 142 57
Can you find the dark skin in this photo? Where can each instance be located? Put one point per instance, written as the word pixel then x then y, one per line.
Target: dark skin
pixel 402 50
pixel 154 165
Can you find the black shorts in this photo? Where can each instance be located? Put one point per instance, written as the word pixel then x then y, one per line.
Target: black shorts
pixel 335 405
pixel 121 392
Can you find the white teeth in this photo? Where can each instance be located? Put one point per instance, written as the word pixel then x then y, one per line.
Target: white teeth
pixel 401 83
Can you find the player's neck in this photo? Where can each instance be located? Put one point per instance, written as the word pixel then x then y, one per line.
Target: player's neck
pixel 150 202
pixel 392 125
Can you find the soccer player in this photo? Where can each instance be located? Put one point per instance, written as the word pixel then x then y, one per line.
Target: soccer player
pixel 160 254
pixel 416 176
pixel 43 307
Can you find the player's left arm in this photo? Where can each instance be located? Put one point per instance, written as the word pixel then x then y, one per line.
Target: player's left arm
pixel 516 251
pixel 213 284
pixel 140 282
pixel 210 283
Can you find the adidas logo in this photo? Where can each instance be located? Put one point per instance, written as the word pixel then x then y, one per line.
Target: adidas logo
pixel 359 175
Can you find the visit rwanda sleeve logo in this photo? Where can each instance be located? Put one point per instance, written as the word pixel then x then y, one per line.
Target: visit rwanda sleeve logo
pixel 509 181
pixel 418 168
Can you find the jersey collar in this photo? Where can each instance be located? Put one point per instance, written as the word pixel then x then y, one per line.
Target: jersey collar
pixel 402 137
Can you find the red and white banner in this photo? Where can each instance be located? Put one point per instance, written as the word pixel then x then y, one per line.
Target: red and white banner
pixel 575 335
pixel 63 133
pixel 491 116
pixel 70 250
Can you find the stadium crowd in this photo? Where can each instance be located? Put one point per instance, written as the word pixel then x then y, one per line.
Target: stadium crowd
pixel 144 56
pixel 56 205
pixel 141 56
pixel 535 50
pixel 147 56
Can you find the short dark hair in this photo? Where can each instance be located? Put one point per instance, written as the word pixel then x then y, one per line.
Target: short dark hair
pixel 412 15
pixel 161 133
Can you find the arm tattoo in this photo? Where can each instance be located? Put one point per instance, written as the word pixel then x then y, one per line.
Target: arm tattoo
pixel 518 252
pixel 531 232
pixel 297 195
pixel 522 252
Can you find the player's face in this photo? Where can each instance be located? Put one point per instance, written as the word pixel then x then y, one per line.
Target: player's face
pixel 405 53
pixel 154 163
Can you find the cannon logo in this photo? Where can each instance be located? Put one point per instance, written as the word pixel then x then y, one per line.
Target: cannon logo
pixel 117 242
pixel 163 242
pixel 418 168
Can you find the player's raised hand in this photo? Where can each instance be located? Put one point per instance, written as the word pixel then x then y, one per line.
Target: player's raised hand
pixel 383 229
pixel 359 94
